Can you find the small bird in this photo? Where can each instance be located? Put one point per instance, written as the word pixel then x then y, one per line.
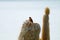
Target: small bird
pixel 30 19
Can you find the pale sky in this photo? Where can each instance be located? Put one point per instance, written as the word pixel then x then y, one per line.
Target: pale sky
pixel 14 13
pixel 29 0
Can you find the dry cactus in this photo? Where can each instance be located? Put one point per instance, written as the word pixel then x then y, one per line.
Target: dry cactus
pixel 45 27
pixel 30 30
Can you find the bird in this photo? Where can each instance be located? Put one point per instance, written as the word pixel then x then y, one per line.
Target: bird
pixel 30 19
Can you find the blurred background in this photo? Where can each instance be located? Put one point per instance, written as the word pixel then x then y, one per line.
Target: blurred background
pixel 14 12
